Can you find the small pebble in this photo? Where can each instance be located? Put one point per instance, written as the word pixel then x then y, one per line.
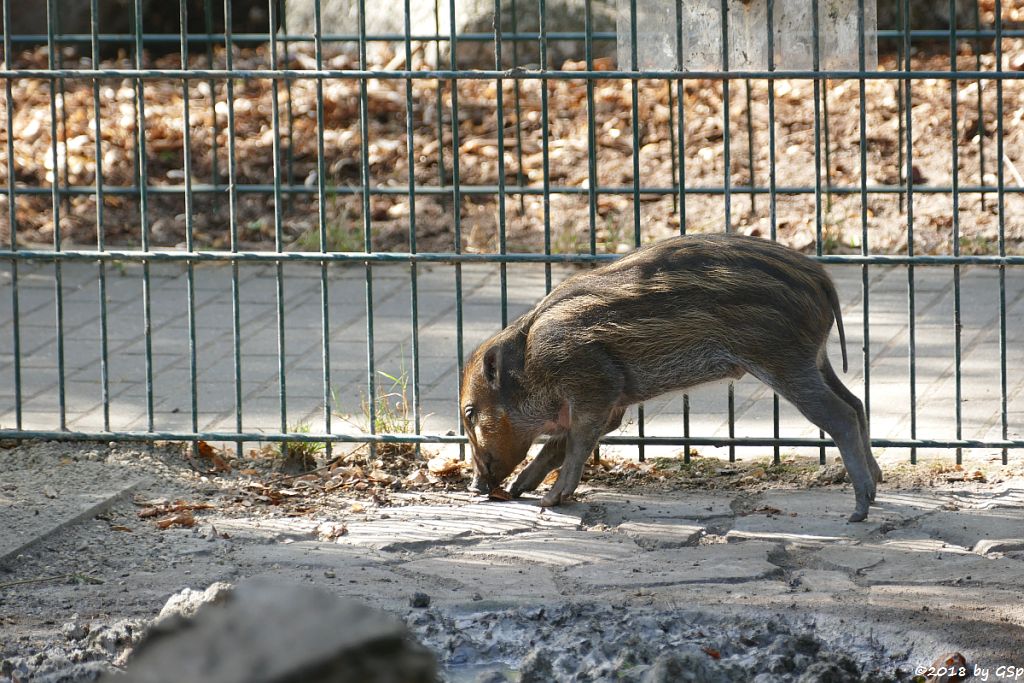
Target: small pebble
pixel 420 600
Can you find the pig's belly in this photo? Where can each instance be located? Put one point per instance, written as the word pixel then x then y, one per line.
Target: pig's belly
pixel 666 373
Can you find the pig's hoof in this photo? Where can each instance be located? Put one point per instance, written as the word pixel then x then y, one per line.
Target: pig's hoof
pixel 550 499
pixel 858 516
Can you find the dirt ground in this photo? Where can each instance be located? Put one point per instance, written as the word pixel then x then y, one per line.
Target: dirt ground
pixel 76 599
pixel 524 155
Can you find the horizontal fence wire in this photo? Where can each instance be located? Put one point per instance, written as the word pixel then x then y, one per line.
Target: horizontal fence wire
pixel 524 175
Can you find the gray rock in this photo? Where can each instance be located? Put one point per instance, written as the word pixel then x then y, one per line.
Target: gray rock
pixel 536 667
pixel 186 602
pixel 840 670
pixel 680 667
pixel 270 631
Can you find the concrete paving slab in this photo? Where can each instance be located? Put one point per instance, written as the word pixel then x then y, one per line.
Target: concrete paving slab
pixel 617 508
pixel 559 548
pixel 30 512
pixel 653 535
pixel 453 577
pixel 811 517
pixel 1004 527
pixel 881 563
pixel 417 526
pixel 717 563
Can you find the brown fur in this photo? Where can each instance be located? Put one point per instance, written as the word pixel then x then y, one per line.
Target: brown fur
pixel 678 313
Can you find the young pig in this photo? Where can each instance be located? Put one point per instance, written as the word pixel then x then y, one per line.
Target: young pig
pixel 678 313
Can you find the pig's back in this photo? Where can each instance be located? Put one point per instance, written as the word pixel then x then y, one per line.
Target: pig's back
pixel 714 300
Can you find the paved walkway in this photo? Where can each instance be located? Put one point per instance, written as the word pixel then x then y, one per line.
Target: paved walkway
pixel 889 371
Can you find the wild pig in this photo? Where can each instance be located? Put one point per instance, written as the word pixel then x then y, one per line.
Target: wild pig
pixel 669 316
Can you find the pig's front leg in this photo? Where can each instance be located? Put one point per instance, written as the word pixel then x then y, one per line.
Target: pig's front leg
pixel 549 459
pixel 579 444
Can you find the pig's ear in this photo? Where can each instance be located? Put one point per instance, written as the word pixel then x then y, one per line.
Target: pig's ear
pixel 492 366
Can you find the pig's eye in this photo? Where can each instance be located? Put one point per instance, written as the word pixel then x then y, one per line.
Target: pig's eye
pixel 470 413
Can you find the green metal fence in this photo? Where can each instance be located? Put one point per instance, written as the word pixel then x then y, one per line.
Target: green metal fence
pixel 64 53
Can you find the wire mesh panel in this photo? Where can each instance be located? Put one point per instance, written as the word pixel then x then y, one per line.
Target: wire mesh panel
pixel 294 225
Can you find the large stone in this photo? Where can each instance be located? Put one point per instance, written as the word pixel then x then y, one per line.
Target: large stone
pixel 270 631
pixel 471 17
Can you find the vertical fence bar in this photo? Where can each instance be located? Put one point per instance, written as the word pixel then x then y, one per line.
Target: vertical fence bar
pixel 289 110
pixel 457 209
pixel 828 147
pixel 516 99
pixel 143 180
pixel 674 170
pixel 442 176
pixel 900 28
pixel 772 198
pixel 747 86
pixel 864 243
pixel 189 226
pixel 275 123
pixel 55 201
pixel 410 142
pixel 592 180
pixel 236 327
pixel 981 106
pixel 12 213
pixel 544 142
pixel 62 86
pixel 954 151
pixel 726 123
pixel 499 110
pixel 208 24
pixel 681 136
pixel 364 174
pixel 816 61
pixel 635 95
pixel 321 197
pixel 100 231
pixel 1001 160
pixel 911 306
pixel 727 192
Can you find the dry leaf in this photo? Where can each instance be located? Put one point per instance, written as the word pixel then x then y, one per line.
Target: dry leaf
pixel 498 493
pixel 208 452
pixel 443 467
pixel 183 519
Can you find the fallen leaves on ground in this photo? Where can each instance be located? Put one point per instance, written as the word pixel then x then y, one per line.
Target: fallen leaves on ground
pixel 499 494
pixel 704 153
pixel 214 456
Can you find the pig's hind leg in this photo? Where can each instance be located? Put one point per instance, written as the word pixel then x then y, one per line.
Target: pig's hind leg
pixel 806 387
pixel 837 386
